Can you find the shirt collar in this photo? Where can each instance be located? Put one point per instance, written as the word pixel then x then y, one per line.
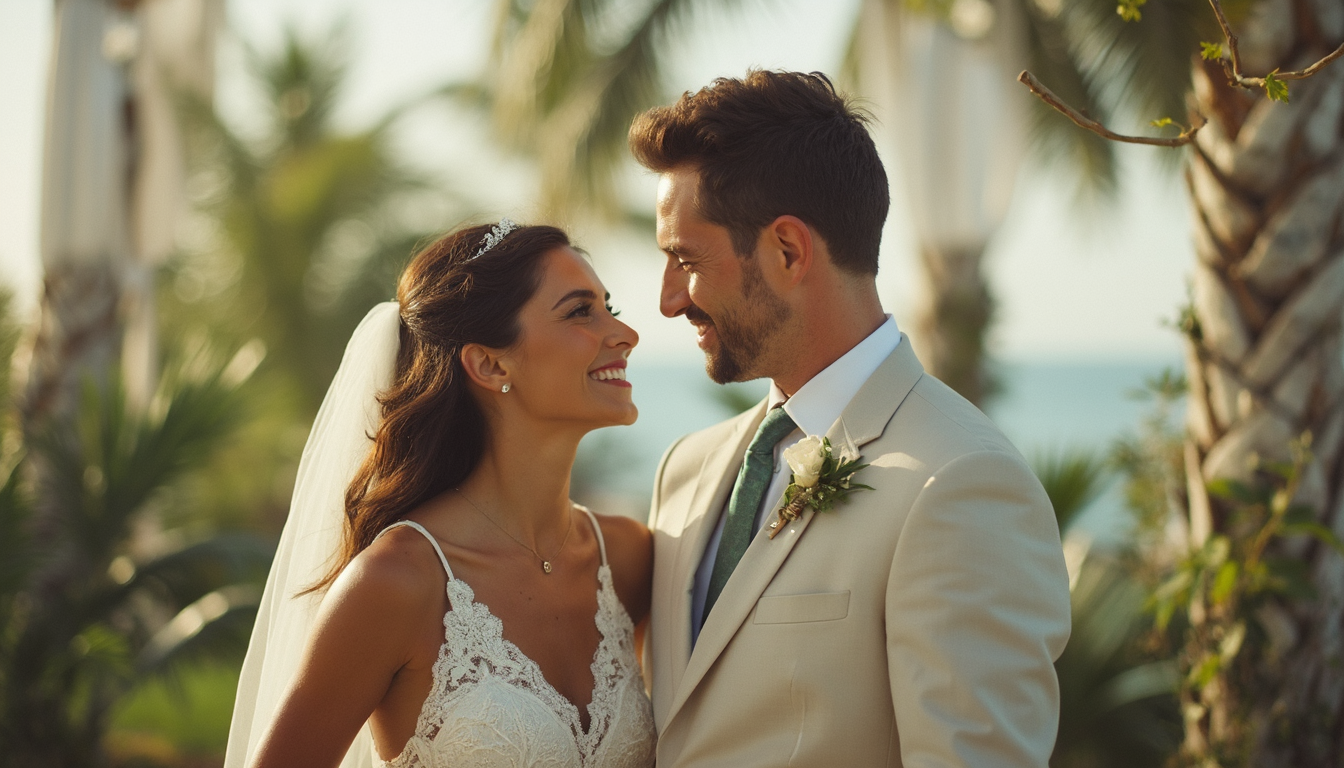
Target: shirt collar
pixel 818 403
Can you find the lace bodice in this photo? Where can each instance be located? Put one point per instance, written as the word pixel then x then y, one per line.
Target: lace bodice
pixel 490 705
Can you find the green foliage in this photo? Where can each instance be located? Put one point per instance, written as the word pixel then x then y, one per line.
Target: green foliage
pixel 307 228
pixel 1073 480
pixel 91 585
pixel 1161 122
pixel 1129 9
pixel 1211 51
pixel 1152 460
pixel 1117 702
pixel 1227 592
pixel 1111 68
pixel 567 78
pixel 9 340
pixel 184 715
pixel 1276 89
pixel 834 482
pixel 1117 693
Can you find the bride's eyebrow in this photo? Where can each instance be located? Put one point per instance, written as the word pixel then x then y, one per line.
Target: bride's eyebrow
pixel 581 293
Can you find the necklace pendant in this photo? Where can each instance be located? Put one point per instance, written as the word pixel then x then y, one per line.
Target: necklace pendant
pixel 546 566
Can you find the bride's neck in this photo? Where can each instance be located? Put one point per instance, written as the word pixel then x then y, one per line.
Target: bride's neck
pixel 523 479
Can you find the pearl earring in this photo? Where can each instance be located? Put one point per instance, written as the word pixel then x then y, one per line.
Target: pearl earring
pixel 505 389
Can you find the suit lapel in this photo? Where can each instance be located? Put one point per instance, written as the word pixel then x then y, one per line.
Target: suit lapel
pixel 753 573
pixel 863 420
pixel 714 483
pixel 865 417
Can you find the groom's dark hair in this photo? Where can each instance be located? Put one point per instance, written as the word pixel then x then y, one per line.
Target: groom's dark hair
pixel 775 144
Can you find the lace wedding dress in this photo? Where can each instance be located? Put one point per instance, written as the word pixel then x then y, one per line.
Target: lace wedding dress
pixel 490 706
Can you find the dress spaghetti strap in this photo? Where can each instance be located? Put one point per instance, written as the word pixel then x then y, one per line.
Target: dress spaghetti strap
pixel 597 529
pixel 435 542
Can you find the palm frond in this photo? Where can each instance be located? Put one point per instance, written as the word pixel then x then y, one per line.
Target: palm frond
pixel 1073 479
pixel 572 76
pixel 1117 706
pixel 1139 70
pixel 591 125
pixel 215 626
pixel 111 460
pixel 303 81
pixel 279 202
pixel 545 48
pixel 184 575
pixel 1057 143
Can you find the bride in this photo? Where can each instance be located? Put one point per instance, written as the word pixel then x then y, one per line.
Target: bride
pixel 437 599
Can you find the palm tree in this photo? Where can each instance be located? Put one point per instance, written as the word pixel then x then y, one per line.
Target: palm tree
pixel 300 214
pixel 307 230
pixel 92 606
pixel 1264 357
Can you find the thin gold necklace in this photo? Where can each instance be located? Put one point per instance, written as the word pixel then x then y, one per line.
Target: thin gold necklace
pixel 545 562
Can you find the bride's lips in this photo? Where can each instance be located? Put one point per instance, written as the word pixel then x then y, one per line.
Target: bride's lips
pixel 612 373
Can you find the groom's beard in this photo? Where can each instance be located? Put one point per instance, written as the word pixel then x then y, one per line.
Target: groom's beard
pixel 742 330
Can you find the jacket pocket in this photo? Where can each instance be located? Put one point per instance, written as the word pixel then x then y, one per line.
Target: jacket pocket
pixel 801 609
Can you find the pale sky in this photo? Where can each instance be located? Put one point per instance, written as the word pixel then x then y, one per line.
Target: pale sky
pixel 1070 287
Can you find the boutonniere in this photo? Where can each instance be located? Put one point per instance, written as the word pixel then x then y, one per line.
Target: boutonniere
pixel 820 478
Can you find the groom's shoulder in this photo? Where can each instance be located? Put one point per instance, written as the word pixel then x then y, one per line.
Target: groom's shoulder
pixel 936 424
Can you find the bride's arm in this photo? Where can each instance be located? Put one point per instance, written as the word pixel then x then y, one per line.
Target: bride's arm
pixel 362 636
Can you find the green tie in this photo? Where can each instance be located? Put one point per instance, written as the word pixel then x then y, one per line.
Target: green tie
pixel 752 480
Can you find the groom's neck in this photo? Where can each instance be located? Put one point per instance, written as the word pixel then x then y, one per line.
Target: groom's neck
pixel 829 322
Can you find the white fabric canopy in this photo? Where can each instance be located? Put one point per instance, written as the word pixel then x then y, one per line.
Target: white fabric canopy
pixel 953 111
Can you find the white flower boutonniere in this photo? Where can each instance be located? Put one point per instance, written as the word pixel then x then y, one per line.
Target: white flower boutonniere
pixel 820 478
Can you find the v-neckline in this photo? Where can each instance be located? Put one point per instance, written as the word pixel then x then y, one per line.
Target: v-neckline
pixel 572 714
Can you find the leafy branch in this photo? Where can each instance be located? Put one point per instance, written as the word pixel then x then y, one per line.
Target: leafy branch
pixel 1228 593
pixel 1083 121
pixel 1273 83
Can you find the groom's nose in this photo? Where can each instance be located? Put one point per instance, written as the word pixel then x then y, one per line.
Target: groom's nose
pixel 676 294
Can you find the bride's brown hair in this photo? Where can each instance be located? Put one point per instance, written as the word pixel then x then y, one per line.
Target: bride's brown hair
pixel 432 431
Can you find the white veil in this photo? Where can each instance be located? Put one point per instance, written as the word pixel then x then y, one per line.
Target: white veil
pixel 338 442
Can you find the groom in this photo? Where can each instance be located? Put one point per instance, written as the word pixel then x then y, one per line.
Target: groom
pixel 914 624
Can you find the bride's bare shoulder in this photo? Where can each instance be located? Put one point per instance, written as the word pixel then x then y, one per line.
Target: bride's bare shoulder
pixel 630 553
pixel 400 571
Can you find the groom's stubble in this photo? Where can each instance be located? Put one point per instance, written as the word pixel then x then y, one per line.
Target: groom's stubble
pixel 745 327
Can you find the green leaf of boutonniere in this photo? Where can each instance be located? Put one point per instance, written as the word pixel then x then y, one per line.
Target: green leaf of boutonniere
pixel 820 479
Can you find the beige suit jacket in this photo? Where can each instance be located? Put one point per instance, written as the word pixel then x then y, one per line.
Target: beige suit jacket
pixel 913 625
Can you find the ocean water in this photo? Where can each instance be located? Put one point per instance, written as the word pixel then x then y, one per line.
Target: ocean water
pixel 1043 407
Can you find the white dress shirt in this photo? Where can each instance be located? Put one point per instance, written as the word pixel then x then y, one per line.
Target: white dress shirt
pixel 814 408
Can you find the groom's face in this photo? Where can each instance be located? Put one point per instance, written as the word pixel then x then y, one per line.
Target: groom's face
pixel 721 293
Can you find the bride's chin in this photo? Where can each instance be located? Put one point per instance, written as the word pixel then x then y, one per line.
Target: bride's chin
pixel 622 418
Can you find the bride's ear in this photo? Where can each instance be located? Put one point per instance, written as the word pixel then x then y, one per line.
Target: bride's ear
pixel 485 367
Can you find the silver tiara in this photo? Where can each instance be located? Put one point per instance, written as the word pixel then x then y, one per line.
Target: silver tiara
pixel 496 235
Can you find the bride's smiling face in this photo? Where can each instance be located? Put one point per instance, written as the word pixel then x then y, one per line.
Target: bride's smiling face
pixel 569 362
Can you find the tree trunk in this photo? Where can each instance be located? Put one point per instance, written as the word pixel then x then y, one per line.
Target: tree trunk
pixel 78 338
pixel 955 319
pixel 1265 365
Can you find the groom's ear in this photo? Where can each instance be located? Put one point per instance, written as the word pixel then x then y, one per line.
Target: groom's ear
pixel 788 249
pixel 484 366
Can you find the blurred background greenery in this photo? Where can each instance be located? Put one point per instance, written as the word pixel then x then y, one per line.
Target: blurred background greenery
pixel 161 394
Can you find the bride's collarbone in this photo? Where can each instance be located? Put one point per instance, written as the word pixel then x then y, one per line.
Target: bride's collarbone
pixel 535 608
